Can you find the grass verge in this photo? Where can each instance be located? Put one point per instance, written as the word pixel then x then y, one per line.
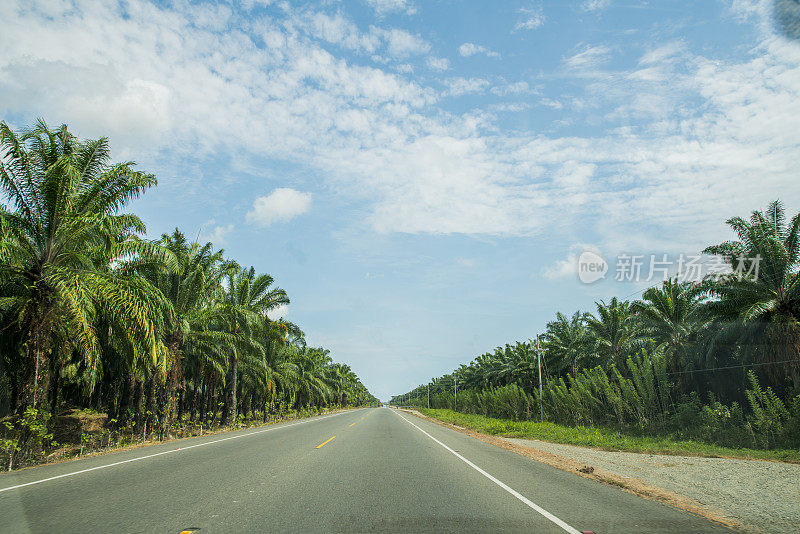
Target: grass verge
pixel 602 438
pixel 69 453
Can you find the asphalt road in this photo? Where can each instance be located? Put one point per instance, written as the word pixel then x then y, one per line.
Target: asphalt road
pixel 383 471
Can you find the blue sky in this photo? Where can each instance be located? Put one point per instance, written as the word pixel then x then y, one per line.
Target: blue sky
pixel 420 176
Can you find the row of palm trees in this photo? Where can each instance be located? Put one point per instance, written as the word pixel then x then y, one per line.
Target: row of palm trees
pixel 94 315
pixel 711 332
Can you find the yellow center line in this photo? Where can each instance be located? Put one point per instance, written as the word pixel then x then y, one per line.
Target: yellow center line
pixel 351 424
pixel 324 442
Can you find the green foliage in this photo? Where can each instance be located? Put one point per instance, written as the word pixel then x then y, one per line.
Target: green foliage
pixel 8 443
pixel 510 402
pixel 768 422
pixel 638 400
pixel 647 365
pixel 160 335
pixel 26 437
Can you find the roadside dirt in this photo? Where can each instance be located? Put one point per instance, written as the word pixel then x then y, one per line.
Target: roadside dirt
pixel 69 453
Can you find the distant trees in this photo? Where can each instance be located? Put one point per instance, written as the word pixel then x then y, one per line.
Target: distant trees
pixel 93 315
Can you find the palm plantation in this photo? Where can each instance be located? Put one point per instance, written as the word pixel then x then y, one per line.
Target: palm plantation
pixel 61 232
pixel 161 335
pixel 717 359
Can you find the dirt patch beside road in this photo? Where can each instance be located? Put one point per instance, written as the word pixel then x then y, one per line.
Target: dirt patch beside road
pixel 760 496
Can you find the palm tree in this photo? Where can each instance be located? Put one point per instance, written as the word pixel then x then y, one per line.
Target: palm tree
pixel 310 385
pixel 524 365
pixel 62 230
pixel 272 374
pixel 246 300
pixel 671 316
pixel 497 368
pixel 342 380
pixel 194 333
pixel 612 331
pixel 567 344
pixel 760 299
pixel 474 375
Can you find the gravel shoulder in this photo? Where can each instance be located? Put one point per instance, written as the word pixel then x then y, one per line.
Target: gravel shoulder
pixel 758 496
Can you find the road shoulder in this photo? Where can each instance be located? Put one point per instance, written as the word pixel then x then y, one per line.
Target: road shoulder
pixel 574 463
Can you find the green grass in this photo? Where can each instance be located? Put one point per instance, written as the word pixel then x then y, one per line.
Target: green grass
pixel 603 438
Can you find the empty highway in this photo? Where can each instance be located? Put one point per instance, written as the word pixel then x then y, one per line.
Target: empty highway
pixel 366 470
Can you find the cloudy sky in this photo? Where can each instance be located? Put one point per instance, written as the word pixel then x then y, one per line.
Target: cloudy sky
pixel 419 176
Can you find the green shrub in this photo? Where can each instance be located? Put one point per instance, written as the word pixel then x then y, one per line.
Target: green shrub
pixel 637 399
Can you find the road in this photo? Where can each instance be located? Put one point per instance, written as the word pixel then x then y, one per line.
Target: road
pixel 367 470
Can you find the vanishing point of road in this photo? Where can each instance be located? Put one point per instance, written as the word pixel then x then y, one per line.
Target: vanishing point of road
pixel 366 470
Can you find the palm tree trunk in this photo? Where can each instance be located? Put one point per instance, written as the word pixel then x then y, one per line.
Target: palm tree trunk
pixel 152 410
pixel 246 405
pixel 128 395
pixel 208 385
pixel 54 386
pixel 35 383
pixel 230 400
pixel 181 398
pixel 138 402
pixel 12 378
pixel 211 406
pixel 197 396
pixel 169 402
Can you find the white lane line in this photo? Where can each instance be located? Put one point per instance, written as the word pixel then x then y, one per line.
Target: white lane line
pixel 513 492
pixel 179 449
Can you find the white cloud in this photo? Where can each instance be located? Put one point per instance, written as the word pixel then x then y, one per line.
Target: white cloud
pixel 562 268
pixel 574 174
pixel 471 49
pixel 279 312
pixel 338 29
pixel 510 89
pixel 550 103
pixel 513 107
pixel 342 31
pixel 569 265
pixel 667 53
pixel 462 86
pixel 283 204
pixel 750 9
pixel 588 59
pixel 438 63
pixel 401 44
pixel 216 235
pixel 176 87
pixel 532 19
pixel 382 7
pixel 595 5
